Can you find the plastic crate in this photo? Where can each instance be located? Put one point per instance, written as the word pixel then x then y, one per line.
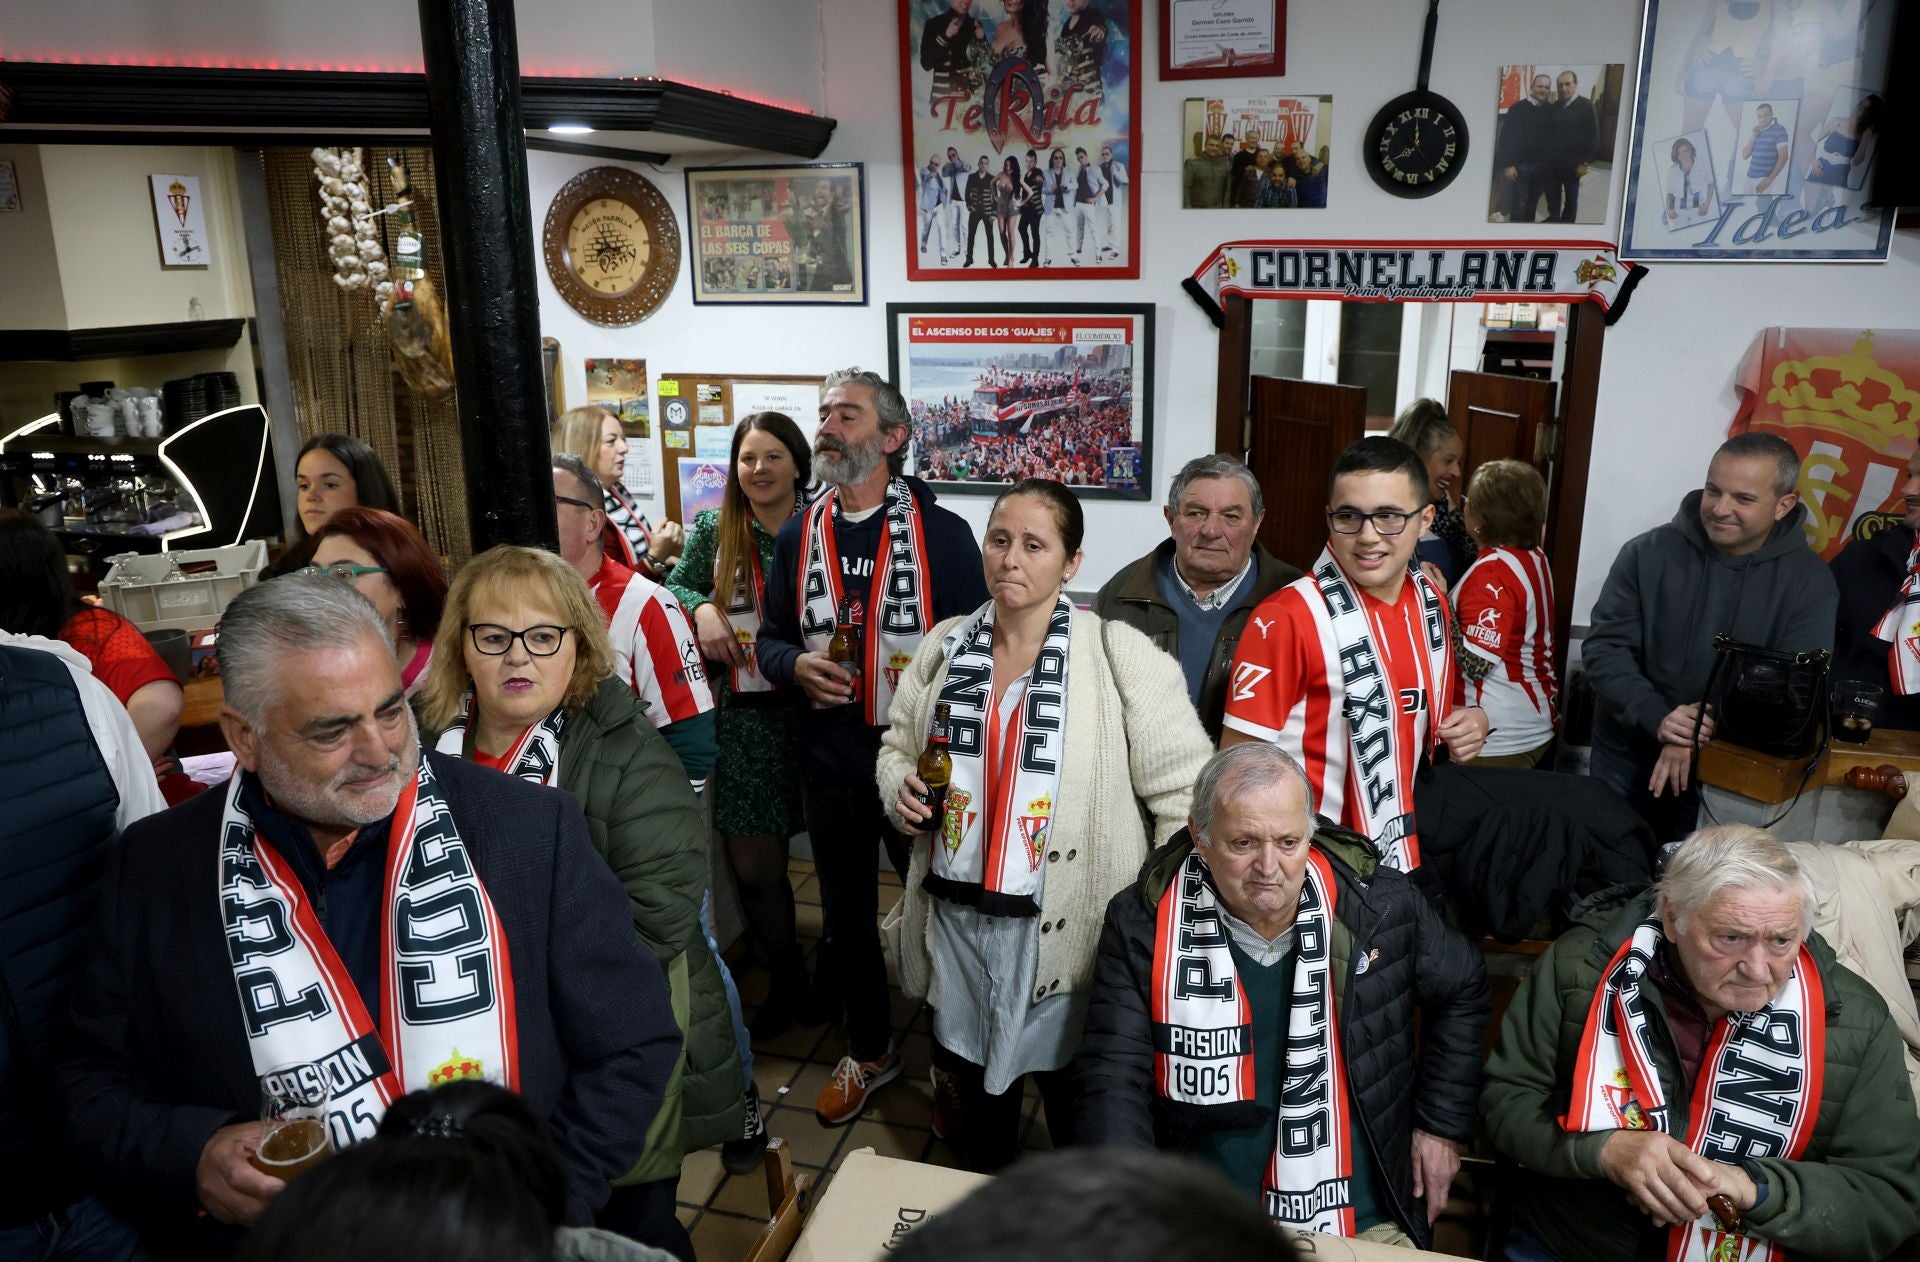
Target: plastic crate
pixel 137 590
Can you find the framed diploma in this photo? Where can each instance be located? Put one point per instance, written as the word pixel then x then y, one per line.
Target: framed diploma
pixel 1221 39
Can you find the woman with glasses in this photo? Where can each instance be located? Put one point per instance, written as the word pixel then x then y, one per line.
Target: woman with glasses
pixel 596 436
pixel 721 581
pixel 387 561
pixel 522 681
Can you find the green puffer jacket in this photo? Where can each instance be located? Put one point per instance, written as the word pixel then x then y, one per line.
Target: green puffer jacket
pixel 647 825
pixel 1855 1195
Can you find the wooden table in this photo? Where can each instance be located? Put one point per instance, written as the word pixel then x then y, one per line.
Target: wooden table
pixel 200 719
pixel 1772 779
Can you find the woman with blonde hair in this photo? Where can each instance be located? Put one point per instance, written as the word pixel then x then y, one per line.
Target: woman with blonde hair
pixel 1504 609
pixel 596 436
pixel 1425 428
pixel 522 681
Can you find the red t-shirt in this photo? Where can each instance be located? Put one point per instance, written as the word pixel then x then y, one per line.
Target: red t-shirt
pixel 121 657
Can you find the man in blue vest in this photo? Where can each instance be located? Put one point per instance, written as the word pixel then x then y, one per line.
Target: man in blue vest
pixel 77 774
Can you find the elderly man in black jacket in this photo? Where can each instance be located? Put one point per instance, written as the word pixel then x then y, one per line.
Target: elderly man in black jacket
pixel 1254 1007
pixel 346 903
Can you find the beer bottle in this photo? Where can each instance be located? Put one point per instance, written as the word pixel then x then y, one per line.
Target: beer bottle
pixel 935 769
pixel 843 650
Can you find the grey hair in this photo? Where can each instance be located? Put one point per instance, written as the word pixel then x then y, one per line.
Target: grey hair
pixel 577 469
pixel 1730 857
pixel 887 401
pixel 299 613
pixel 1757 443
pixel 1219 465
pixel 1250 765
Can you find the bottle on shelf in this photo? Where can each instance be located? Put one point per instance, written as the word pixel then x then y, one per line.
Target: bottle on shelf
pixel 416 318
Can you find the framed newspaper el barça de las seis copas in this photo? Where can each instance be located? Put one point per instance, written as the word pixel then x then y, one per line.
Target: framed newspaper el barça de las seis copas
pixel 1020 139
pixel 1004 391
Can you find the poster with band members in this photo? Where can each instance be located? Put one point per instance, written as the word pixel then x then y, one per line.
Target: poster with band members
pixel 1020 138
pixel 1005 391
pixel 1756 128
pixel 782 236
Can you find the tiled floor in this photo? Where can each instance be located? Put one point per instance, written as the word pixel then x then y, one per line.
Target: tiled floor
pixel 724 1213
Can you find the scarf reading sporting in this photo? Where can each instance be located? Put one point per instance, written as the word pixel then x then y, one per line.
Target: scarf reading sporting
pixel 1368 762
pixel 899 593
pixel 991 857
pixel 446 988
pixel 632 532
pixel 743 611
pixel 1900 628
pixel 535 756
pixel 1203 1041
pixel 1783 1045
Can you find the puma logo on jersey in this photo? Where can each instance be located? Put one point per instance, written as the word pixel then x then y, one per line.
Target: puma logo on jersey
pixel 1247 677
pixel 1498 593
pixel 1263 624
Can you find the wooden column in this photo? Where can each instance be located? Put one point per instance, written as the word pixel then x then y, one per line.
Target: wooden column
pixel 1235 371
pixel 1566 515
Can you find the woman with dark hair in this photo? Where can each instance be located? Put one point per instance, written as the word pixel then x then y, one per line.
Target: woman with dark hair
pixel 1076 722
pixel 1007 192
pixel 1845 145
pixel 597 437
pixel 388 561
pixel 722 582
pixel 522 682
pixel 458 1172
pixel 37 598
pixel 1446 545
pixel 336 471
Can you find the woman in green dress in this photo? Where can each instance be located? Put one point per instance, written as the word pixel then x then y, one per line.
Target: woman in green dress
pixel 756 783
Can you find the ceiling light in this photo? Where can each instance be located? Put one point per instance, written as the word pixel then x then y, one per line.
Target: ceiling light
pixel 570 129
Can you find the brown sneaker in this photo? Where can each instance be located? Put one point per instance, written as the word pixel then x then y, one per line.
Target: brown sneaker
pixel 852 1085
pixel 948 1116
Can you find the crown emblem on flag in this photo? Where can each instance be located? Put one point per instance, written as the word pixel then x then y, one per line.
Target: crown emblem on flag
pixel 456 1068
pixel 1034 827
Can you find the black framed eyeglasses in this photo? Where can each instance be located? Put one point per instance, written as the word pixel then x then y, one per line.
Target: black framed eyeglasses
pixel 1387 522
pixel 345 571
pixel 493 639
pixel 568 499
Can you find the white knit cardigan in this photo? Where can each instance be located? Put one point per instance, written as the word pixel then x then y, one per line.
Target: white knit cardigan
pixel 1131 733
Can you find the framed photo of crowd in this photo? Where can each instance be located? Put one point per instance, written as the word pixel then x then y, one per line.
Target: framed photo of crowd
pixel 1755 131
pixel 1020 139
pixel 1004 391
pixel 779 235
pixel 1256 152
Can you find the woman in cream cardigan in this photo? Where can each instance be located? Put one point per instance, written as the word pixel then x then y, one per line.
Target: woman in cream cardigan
pixel 1062 727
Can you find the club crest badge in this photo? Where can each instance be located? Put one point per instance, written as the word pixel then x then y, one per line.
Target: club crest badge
pixel 1034 827
pixel 896 663
pixel 958 819
pixel 1620 1102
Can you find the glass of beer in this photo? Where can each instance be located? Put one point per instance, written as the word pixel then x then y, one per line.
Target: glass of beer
pixel 1854 707
pixel 293 1119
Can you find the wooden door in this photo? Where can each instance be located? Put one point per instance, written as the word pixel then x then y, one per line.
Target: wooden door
pixel 1504 418
pixel 1299 428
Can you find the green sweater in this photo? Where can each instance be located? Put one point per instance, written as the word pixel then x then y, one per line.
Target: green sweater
pixel 692 580
pixel 1854 1195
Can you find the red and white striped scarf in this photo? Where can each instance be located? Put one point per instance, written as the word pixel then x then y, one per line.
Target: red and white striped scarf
pixel 1780 1050
pixel 628 529
pixel 1899 626
pixel 535 756
pixel 1203 1039
pixel 743 610
pixel 446 985
pixel 897 606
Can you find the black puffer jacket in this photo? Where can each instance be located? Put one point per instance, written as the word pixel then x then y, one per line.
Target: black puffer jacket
pixel 1414 960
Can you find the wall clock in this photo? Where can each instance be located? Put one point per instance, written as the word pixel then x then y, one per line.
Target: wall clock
pixel 611 246
pixel 1417 143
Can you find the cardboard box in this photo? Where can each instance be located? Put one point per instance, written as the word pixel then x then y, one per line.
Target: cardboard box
pixel 875 1200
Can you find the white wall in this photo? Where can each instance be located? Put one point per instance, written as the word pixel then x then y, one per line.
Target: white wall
pixel 32 281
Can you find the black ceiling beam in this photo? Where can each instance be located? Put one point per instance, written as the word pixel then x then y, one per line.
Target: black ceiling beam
pixel 326 103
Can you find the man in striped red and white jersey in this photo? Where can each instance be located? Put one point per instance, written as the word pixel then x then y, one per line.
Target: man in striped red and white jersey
pixel 1351 668
pixel 1504 607
pixel 654 648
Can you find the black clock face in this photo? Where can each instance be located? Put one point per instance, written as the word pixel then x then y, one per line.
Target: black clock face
pixel 1416 145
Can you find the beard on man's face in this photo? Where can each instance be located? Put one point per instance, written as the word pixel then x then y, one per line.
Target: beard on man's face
pixel 332 804
pixel 843 464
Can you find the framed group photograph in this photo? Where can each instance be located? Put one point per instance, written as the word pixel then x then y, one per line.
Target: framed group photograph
pixel 1553 142
pixel 1020 138
pixel 1256 152
pixel 1004 391
pixel 1755 131
pixel 1222 39
pixel 779 235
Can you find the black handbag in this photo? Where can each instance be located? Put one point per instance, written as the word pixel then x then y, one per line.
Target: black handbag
pixel 1769 701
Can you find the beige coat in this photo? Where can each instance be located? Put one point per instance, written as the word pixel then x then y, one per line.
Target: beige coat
pixel 1131 734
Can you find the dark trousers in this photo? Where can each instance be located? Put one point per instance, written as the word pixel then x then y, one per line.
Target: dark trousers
pixel 975 218
pixel 1626 765
pixel 1563 193
pixel 1530 184
pixel 645 1212
pixel 845 821
pixel 1030 236
pixel 993 1121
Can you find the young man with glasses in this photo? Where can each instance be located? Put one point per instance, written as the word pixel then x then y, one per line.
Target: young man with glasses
pixel 1350 669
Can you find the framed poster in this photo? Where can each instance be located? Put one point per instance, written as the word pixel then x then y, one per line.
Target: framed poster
pixel 179 220
pixel 1222 39
pixel 781 235
pixel 1020 138
pixel 1256 152
pixel 1553 142
pixel 620 386
pixel 1004 391
pixel 1756 129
